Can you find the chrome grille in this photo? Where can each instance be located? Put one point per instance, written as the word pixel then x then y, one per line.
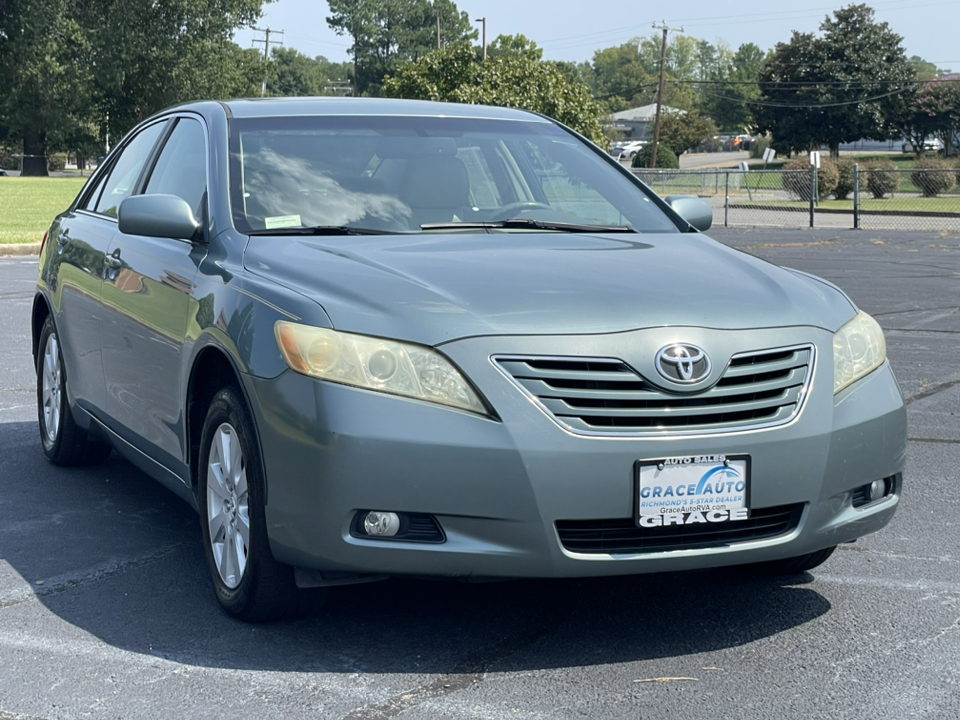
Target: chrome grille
pixel 607 397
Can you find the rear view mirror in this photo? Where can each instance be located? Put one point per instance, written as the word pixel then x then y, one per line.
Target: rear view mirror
pixel 695 211
pixel 163 216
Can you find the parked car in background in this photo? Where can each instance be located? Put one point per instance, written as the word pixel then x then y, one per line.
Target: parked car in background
pixel 627 150
pixel 929 145
pixel 369 337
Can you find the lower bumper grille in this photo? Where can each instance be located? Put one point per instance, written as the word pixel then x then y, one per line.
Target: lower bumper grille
pixel 621 535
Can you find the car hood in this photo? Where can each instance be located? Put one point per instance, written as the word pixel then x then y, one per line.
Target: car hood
pixel 434 288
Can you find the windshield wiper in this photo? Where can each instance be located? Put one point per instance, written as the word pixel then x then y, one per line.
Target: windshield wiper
pixel 525 224
pixel 322 230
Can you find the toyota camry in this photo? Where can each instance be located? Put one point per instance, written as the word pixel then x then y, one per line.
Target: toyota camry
pixel 365 338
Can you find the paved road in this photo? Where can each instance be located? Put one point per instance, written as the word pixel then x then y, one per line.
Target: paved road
pixel 106 612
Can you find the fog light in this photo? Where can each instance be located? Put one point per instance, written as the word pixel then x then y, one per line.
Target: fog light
pixel 381 524
pixel 878 488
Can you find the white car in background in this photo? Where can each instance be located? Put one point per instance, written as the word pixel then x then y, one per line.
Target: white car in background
pixel 626 150
pixel 929 145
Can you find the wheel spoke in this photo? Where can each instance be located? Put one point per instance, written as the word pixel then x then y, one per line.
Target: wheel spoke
pixel 215 484
pixel 240 486
pixel 236 462
pixel 230 574
pixel 240 550
pixel 218 527
pixel 243 529
pixel 224 441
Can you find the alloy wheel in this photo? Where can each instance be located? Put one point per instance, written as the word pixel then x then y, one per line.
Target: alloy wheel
pixel 52 390
pixel 228 513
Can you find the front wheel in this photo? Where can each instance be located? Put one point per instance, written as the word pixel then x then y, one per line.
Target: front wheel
pixel 249 583
pixel 64 442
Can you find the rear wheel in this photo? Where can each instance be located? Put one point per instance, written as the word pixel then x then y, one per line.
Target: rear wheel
pixel 249 583
pixel 794 565
pixel 64 442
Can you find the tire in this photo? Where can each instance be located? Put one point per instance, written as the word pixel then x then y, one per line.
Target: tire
pixel 64 442
pixel 249 583
pixel 794 565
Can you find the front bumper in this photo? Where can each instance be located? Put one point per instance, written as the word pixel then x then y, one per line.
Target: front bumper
pixel 498 487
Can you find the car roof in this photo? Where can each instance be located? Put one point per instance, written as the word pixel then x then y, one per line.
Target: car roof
pixel 305 106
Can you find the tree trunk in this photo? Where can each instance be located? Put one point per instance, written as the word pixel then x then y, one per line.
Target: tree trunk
pixel 835 151
pixel 34 153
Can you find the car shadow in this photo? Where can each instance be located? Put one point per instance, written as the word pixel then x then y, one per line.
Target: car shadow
pixel 115 555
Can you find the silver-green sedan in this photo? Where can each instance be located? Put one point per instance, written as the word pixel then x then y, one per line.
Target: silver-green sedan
pixel 368 337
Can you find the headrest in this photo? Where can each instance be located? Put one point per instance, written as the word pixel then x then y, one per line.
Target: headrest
pixel 438 181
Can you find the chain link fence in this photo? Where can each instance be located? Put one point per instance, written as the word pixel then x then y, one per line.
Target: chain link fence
pixel 879 198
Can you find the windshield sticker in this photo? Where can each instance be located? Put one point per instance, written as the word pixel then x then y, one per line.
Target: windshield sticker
pixel 282 221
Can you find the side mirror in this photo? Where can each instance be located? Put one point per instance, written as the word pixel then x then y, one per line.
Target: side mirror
pixel 163 216
pixel 695 211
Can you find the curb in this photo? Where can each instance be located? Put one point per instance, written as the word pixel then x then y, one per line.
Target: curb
pixel 19 249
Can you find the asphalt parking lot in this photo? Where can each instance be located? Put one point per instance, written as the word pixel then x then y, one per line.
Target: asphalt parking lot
pixel 106 609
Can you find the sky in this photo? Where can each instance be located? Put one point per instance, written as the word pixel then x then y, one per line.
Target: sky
pixel 574 29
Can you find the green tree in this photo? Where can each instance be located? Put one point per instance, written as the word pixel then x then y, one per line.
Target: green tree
pixel 507 45
pixel 619 79
pixel 293 74
pixel 455 74
pixel 939 100
pixel 837 88
pixel 684 131
pixel 388 33
pixel 730 96
pixel 66 65
pixel 40 78
pixel 925 70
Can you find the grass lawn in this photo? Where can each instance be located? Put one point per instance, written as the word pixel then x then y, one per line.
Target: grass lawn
pixel 28 205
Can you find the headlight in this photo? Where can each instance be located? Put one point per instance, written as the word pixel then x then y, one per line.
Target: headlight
pixel 858 349
pixel 384 365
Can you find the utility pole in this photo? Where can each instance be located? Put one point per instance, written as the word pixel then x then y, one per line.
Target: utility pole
pixel 438 29
pixel 484 21
pixel 267 32
pixel 663 68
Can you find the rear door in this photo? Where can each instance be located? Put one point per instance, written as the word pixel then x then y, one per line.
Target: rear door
pixel 148 297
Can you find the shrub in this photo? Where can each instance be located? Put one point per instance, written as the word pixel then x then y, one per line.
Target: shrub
pixel 666 158
pixel 932 175
pixel 56 162
pixel 8 159
pixel 798 183
pixel 759 146
pixel 882 177
pixel 845 179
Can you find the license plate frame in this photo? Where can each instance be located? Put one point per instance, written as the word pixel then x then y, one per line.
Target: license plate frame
pixel 697 473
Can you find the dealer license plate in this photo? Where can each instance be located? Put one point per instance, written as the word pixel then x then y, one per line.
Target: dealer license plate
pixel 692 489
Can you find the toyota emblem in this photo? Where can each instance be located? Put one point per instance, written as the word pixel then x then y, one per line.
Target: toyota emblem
pixel 682 363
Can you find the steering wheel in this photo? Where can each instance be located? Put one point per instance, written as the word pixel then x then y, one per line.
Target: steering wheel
pixel 511 210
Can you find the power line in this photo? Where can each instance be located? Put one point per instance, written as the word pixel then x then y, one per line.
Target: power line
pixel 806 106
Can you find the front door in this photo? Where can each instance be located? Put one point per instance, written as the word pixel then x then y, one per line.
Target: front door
pixel 147 297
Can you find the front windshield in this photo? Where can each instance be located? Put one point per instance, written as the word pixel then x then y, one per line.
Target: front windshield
pixel 397 174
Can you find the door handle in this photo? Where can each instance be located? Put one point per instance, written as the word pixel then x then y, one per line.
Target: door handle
pixel 113 261
pixel 63 238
